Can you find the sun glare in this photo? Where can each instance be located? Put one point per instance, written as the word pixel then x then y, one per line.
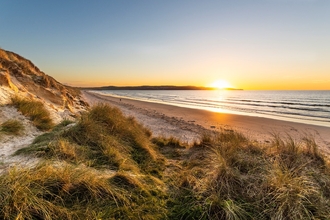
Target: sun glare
pixel 221 84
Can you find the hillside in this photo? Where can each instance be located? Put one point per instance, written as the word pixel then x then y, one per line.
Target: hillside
pixel 19 76
pixel 21 80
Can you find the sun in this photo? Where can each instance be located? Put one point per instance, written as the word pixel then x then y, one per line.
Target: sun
pixel 221 84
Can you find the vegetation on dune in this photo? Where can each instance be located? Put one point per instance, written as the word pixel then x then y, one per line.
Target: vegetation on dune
pixel 53 192
pixel 105 141
pixel 287 180
pixel 12 126
pixel 108 166
pixel 102 138
pixel 64 191
pixel 35 110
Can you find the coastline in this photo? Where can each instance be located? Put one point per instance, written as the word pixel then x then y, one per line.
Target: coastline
pixel 188 124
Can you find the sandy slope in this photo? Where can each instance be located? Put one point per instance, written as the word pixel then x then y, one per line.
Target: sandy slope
pixel 20 77
pixel 187 124
pixel 9 143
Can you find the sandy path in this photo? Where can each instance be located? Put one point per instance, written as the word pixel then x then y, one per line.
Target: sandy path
pixel 187 124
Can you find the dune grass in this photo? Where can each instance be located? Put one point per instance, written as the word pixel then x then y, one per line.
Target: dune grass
pixel 64 191
pixel 112 145
pixel 35 110
pixel 246 181
pixel 106 166
pixel 12 127
pixel 67 191
pixel 102 138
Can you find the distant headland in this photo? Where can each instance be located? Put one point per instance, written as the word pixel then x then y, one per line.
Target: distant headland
pixel 166 87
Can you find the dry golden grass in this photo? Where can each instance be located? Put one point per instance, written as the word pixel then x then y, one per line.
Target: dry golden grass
pixel 35 110
pixel 124 150
pixel 114 139
pixel 288 180
pixel 64 191
pixel 12 127
pixel 224 176
pixel 54 192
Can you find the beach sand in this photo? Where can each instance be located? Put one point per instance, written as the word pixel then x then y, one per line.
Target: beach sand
pixel 188 124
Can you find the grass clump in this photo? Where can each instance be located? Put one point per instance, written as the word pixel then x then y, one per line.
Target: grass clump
pixel 35 110
pixel 57 192
pixel 223 176
pixel 243 180
pixel 44 144
pixel 171 148
pixel 168 142
pixel 103 138
pixel 12 127
pixel 290 193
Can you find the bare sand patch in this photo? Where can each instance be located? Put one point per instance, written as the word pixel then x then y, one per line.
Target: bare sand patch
pixel 9 144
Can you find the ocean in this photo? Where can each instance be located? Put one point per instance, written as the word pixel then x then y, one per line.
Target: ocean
pixel 309 107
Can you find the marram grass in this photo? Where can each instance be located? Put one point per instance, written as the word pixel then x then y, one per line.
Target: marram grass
pixel 102 138
pixel 242 180
pixel 107 166
pixel 35 110
pixel 65 191
pixel 12 127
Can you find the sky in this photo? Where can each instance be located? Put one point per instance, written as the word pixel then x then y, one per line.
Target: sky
pixel 252 44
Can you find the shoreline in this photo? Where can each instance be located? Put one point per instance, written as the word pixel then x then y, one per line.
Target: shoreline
pixel 188 124
pixel 282 117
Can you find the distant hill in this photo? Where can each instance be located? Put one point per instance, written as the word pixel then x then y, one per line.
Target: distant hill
pixel 166 87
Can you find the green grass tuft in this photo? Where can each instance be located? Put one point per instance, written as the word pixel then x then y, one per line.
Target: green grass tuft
pixel 35 110
pixel 12 127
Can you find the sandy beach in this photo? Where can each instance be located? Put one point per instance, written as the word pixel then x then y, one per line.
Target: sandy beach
pixel 187 124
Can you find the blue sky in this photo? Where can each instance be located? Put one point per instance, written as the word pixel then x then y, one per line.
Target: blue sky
pixel 253 44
